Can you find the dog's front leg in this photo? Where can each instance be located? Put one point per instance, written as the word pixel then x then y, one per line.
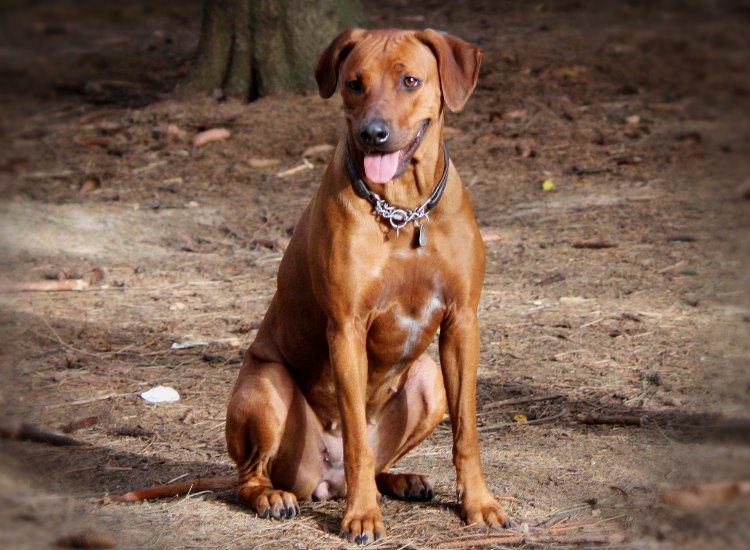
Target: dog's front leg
pixel 459 360
pixel 362 522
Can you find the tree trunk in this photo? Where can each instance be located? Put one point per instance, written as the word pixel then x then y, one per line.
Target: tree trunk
pixel 251 48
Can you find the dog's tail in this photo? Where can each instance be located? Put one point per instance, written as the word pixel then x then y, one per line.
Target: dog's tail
pixel 179 488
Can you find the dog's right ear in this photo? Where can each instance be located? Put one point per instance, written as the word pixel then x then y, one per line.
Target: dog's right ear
pixel 327 67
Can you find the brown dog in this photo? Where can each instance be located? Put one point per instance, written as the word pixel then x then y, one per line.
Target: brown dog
pixel 335 388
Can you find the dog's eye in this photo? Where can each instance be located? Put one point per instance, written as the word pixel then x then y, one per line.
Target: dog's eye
pixel 355 85
pixel 411 82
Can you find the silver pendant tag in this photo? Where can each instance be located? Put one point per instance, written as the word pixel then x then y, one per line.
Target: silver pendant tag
pixel 421 235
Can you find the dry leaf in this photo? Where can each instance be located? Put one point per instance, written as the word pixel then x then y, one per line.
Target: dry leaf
pixel 91 183
pixel 493 236
pixel 209 136
pixel 318 149
pixel 263 162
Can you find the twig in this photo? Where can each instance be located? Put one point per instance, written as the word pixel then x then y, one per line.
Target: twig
pixel 620 420
pixel 591 323
pixel 557 528
pixel 517 539
pixel 148 167
pixel 62 342
pixel 528 422
pixel 578 539
pixel 306 165
pixel 595 245
pixel 45 175
pixel 671 267
pixel 508 539
pixel 91 400
pixel 520 401
pixel 43 286
pixel 561 515
pixel 12 428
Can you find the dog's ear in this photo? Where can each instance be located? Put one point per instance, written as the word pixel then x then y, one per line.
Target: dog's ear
pixel 458 65
pixel 327 67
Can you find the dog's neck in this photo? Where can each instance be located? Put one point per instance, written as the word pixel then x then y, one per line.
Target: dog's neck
pixel 415 185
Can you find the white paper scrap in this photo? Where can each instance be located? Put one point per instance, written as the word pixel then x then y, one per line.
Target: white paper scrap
pixel 188 345
pixel 161 394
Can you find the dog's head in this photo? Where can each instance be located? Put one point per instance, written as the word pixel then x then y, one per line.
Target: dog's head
pixel 395 84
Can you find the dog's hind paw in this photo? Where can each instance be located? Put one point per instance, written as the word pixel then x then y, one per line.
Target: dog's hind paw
pixel 405 486
pixel 268 502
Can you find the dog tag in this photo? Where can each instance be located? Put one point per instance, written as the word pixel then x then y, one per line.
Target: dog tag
pixel 421 235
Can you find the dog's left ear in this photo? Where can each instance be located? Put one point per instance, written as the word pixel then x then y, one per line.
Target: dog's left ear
pixel 327 67
pixel 458 65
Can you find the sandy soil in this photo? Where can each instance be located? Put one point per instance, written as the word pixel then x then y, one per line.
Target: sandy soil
pixel 624 290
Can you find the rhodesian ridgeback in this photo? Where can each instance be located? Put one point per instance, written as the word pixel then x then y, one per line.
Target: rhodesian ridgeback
pixel 336 386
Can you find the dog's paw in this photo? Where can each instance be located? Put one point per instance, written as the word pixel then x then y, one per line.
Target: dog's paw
pixel 362 527
pixel 405 486
pixel 486 512
pixel 268 502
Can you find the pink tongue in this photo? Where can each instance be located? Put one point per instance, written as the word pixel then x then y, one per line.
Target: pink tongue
pixel 381 167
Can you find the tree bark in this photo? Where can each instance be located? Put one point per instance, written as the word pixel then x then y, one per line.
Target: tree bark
pixel 252 48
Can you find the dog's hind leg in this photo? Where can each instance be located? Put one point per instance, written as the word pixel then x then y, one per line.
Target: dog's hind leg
pixel 408 418
pixel 275 439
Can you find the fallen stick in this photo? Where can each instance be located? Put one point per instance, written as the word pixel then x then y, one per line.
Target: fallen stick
pixel 17 430
pixel 704 494
pixel 148 167
pixel 595 245
pixel 558 528
pixel 507 539
pixel 525 423
pixel 578 539
pixel 520 401
pixel 306 165
pixel 517 539
pixel 43 286
pixel 64 280
pixel 620 420
pixel 90 400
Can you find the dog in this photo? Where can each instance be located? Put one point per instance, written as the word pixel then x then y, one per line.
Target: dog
pixel 336 386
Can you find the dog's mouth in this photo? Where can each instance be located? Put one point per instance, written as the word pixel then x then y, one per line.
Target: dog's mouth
pixel 383 167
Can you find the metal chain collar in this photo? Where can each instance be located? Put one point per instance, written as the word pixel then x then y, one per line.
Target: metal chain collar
pixel 398 217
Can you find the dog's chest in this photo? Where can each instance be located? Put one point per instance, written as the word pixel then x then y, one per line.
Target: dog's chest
pixel 401 331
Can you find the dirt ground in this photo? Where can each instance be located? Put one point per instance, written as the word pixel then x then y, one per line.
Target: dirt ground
pixel 623 290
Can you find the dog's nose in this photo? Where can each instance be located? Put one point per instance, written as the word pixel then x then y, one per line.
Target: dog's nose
pixel 374 132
